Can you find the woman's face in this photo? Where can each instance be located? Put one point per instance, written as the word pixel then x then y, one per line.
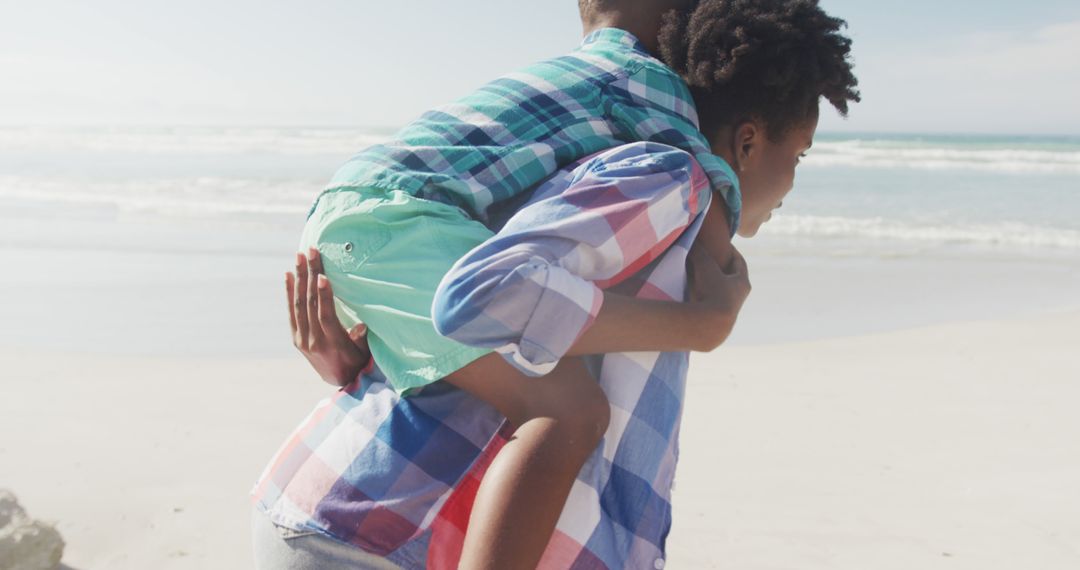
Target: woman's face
pixel 766 169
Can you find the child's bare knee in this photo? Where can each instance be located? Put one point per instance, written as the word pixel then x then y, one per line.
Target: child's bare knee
pixel 598 410
pixel 583 415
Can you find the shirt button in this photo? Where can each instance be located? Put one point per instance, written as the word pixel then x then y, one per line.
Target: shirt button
pixel 659 564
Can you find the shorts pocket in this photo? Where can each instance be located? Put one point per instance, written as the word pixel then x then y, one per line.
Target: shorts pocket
pixel 348 247
pixel 287 533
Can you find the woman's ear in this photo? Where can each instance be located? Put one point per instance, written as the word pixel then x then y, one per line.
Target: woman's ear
pixel 747 140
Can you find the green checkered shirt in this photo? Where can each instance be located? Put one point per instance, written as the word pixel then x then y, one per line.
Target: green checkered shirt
pixel 517 130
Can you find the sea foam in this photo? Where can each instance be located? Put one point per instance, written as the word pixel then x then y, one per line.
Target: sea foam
pixel 850 188
pixel 1018 157
pixel 189 140
pixel 878 228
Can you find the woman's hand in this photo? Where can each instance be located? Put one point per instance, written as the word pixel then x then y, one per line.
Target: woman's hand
pixel 718 293
pixel 338 356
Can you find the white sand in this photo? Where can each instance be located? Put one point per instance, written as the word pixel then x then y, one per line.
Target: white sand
pixel 146 463
pixel 952 446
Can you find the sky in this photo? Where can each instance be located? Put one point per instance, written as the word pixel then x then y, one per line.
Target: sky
pixel 943 66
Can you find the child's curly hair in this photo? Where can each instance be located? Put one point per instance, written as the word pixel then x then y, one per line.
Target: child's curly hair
pixel 765 59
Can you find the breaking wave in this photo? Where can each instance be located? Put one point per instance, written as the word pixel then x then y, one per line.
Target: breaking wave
pixel 1001 234
pixel 1001 156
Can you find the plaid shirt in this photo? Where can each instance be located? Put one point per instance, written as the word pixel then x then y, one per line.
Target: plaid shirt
pixel 397 477
pixel 514 132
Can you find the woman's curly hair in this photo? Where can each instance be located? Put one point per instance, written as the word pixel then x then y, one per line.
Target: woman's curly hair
pixel 770 60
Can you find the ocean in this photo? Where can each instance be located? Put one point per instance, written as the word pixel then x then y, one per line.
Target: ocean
pixel 991 193
pixel 187 231
pixel 1007 193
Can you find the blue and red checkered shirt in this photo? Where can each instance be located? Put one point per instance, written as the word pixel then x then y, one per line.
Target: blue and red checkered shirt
pixel 397 477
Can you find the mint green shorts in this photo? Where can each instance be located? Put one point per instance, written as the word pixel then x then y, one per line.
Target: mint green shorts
pixel 384 252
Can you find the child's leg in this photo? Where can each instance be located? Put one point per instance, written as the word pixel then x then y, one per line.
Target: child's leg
pixel 384 254
pixel 533 287
pixel 559 421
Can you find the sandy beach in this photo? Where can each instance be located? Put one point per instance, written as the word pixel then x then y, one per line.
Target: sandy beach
pixel 948 446
pixel 897 393
pixel 901 390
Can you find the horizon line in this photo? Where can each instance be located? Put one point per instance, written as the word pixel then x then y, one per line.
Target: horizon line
pixel 390 129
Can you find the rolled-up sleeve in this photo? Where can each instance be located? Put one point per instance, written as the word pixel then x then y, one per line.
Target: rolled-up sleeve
pixel 532 289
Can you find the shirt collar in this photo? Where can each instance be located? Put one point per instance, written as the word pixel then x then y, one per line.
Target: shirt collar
pixel 614 36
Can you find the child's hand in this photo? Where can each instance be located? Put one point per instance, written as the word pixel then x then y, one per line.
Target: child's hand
pixel 719 293
pixel 336 355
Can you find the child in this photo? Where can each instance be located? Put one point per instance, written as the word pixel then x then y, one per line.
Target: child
pixel 560 418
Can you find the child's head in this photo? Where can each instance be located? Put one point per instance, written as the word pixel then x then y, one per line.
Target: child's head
pixel 639 17
pixel 757 69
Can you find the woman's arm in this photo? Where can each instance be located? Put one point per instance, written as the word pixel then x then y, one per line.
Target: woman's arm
pixel 623 324
pixel 629 324
pixel 535 290
pixel 336 354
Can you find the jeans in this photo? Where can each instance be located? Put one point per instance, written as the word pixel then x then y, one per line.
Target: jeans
pixel 280 548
